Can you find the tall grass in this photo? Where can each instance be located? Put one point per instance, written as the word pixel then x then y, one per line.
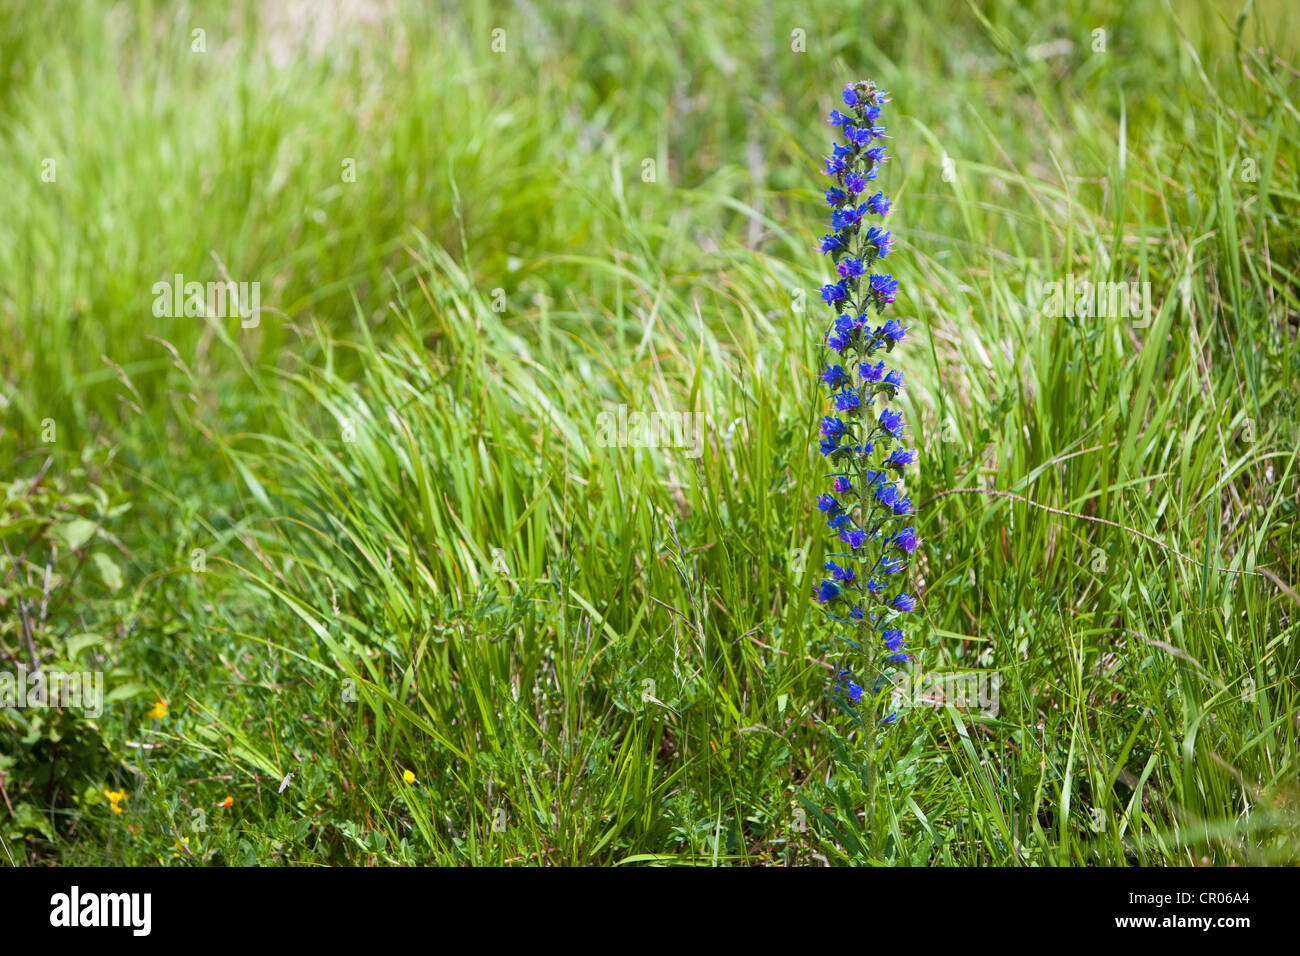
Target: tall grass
pixel 419 553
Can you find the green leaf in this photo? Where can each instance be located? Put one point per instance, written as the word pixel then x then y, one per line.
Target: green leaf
pixel 74 534
pixel 109 571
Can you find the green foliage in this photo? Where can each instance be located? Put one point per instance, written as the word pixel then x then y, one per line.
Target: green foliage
pixel 381 532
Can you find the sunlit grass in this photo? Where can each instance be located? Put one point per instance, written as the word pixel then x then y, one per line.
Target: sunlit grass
pixel 418 553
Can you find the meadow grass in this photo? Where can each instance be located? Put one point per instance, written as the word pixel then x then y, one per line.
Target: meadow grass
pixel 382 531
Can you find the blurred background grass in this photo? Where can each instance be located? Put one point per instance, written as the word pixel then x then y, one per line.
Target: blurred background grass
pixel 416 554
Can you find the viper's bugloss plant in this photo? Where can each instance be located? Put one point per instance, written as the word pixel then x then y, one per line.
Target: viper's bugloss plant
pixel 867 509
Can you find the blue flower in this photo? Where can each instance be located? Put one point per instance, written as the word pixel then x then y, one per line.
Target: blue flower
pixel 847 217
pixel 832 428
pixel 879 205
pixel 881 239
pixel 862 135
pixel 905 540
pixel 834 376
pixel 833 242
pixel 826 592
pixel 900 458
pixel 885 288
pixel 892 422
pixel 893 329
pixel 834 292
pixel 850 268
pixel 854 538
pixel 839 573
pixel 867 509
pixel 893 638
pixel 892 565
pixel 887 494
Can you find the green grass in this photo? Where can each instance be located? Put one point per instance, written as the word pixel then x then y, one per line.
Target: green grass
pixel 417 553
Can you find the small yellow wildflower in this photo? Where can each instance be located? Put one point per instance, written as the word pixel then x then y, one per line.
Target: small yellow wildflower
pixel 408 776
pixel 115 797
pixel 159 710
pixel 226 803
pixel 182 844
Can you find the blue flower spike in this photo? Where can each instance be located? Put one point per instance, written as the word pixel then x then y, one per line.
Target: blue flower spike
pixel 869 515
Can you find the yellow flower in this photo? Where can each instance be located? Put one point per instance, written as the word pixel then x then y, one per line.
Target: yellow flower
pixel 114 798
pixel 159 710
pixel 227 802
pixel 408 776
pixel 182 844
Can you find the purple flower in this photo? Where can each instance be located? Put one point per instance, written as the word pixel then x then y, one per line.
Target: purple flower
pixel 850 96
pixel 835 196
pixel 905 540
pixel 903 602
pixel 855 183
pixel 842 485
